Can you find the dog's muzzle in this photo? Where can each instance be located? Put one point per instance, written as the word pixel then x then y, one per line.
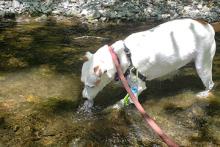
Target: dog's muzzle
pixel 85 93
pixel 89 93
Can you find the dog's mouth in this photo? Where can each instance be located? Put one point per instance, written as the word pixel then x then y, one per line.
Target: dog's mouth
pixel 85 93
pixel 89 93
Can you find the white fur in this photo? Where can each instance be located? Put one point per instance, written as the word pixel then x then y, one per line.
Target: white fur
pixel 157 52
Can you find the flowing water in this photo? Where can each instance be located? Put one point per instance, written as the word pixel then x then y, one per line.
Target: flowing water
pixel 40 92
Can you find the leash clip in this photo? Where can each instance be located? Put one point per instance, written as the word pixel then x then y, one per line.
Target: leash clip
pixel 131 69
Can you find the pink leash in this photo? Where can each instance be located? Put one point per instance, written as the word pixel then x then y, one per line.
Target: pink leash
pixel 146 117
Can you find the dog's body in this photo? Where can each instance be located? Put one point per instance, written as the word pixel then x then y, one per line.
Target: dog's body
pixel 155 53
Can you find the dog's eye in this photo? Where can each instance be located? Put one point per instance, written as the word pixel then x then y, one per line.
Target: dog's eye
pixel 92 81
pixel 90 86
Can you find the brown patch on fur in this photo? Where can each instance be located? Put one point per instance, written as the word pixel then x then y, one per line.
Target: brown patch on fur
pixel 216 26
pixel 97 71
pixel 84 58
pixel 202 21
pixel 97 82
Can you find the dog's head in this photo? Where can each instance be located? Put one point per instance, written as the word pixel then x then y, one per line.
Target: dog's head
pixel 97 71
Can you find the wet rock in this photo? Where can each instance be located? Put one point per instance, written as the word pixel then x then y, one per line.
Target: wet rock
pixel 79 142
pixel 16 128
pixel 42 18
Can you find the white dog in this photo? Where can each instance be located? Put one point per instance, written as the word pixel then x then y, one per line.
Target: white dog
pixel 155 53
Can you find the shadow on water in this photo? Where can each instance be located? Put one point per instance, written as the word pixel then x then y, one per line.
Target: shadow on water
pixel 52 43
pixel 49 44
pixel 203 126
pixel 40 93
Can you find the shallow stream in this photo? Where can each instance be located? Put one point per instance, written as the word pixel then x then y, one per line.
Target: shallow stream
pixel 40 92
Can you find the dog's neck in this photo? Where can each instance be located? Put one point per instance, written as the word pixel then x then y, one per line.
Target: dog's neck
pixel 119 50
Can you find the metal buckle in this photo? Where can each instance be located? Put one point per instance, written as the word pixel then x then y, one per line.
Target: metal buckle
pixel 131 68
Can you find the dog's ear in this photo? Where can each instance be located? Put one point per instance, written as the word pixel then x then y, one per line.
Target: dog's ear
pixel 87 56
pixel 105 63
pixel 97 71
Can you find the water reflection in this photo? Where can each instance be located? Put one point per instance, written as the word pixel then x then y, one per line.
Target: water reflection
pixel 40 93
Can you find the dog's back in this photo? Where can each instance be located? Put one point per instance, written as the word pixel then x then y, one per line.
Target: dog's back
pixel 169 46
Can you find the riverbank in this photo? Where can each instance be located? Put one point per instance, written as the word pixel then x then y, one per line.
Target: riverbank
pixel 112 10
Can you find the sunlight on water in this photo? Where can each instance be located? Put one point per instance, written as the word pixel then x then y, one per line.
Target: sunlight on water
pixel 38 83
pixel 40 93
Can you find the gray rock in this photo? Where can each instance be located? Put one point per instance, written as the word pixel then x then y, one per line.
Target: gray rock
pixel 96 14
pixel 41 19
pixel 165 16
pixel 56 12
pixel 2 13
pixel 15 4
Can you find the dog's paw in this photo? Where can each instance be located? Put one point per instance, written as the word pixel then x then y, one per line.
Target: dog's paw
pixel 119 105
pixel 204 94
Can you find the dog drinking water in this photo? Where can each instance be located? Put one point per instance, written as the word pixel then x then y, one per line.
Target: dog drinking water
pixel 153 54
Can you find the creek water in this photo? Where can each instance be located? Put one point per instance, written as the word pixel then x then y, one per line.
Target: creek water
pixel 40 92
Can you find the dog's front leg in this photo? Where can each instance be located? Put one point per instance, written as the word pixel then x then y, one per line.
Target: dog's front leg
pixel 141 86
